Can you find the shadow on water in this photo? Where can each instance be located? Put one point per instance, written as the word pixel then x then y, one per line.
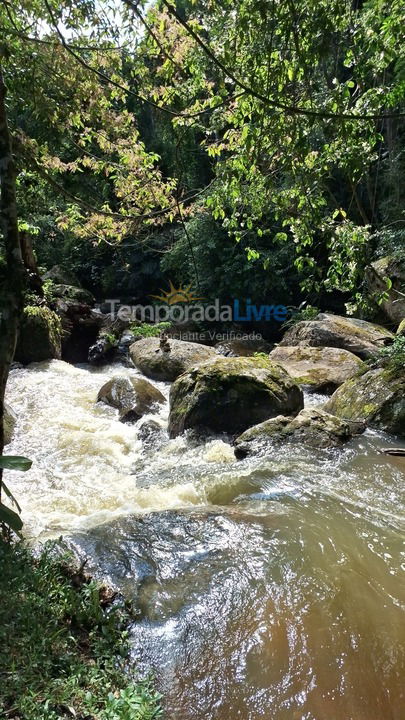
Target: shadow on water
pixel 279 609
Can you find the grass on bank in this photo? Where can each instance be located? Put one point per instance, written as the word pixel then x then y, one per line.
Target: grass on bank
pixel 63 645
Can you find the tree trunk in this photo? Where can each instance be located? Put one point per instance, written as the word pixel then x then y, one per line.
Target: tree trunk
pixel 30 263
pixel 12 276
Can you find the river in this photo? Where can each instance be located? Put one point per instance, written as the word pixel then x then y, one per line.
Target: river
pixel 269 588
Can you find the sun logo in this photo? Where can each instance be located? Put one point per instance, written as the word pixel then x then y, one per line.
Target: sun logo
pixel 173 295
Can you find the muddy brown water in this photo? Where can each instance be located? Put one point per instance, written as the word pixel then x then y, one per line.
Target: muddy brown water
pixel 269 588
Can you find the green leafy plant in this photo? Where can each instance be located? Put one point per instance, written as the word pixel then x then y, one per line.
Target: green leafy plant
pixel 309 312
pixel 64 643
pixel 48 288
pixel 9 519
pixel 148 330
pixel 393 356
pixel 110 338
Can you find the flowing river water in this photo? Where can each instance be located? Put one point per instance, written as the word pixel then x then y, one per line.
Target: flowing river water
pixel 268 588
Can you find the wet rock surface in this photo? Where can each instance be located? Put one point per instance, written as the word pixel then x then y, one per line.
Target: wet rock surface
pixel 313 427
pixel 133 397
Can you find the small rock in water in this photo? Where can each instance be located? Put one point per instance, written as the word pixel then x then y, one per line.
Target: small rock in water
pixel 133 397
pixel 394 451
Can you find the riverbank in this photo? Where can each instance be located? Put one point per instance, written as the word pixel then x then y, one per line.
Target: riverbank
pixel 63 644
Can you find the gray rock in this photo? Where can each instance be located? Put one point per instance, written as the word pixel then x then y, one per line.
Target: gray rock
pixel 231 394
pixel 377 398
pixel 323 369
pixel 360 337
pixel 159 365
pixel 242 348
pixel 9 421
pixel 70 292
pixel 377 273
pixel 313 427
pixel 133 397
pixel 39 337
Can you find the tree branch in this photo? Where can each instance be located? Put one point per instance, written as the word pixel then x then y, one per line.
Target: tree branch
pixel 275 104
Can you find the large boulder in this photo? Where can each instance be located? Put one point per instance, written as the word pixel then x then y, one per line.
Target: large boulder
pixel 360 337
pixel 80 328
pixel 70 292
pixel 40 335
pixel 61 275
pixel 9 421
pixel 160 365
pixel 391 269
pixel 312 426
pixel 377 398
pixel 322 369
pixel 133 397
pixel 231 394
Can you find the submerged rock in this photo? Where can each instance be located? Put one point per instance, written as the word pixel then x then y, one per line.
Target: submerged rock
pixel 40 335
pixel 312 426
pixel 231 394
pixel 362 338
pixel 321 368
pixel 377 274
pixel 9 421
pixel 377 398
pixel 148 357
pixel 133 397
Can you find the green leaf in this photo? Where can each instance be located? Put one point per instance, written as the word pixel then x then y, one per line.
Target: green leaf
pixel 10 518
pixel 10 495
pixel 15 462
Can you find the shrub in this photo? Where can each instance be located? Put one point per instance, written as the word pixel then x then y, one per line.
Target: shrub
pixel 63 654
pixel 148 330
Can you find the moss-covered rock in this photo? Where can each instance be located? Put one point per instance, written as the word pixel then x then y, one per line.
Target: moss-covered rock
pixel 377 398
pixel 322 369
pixel 9 421
pixel 133 397
pixel 362 338
pixel 70 292
pixel 231 394
pixel 61 276
pixel 312 426
pixel 40 335
pixel 393 269
pixel 157 364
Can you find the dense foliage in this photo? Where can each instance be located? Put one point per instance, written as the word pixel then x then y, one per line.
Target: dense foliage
pixel 281 119
pixel 63 648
